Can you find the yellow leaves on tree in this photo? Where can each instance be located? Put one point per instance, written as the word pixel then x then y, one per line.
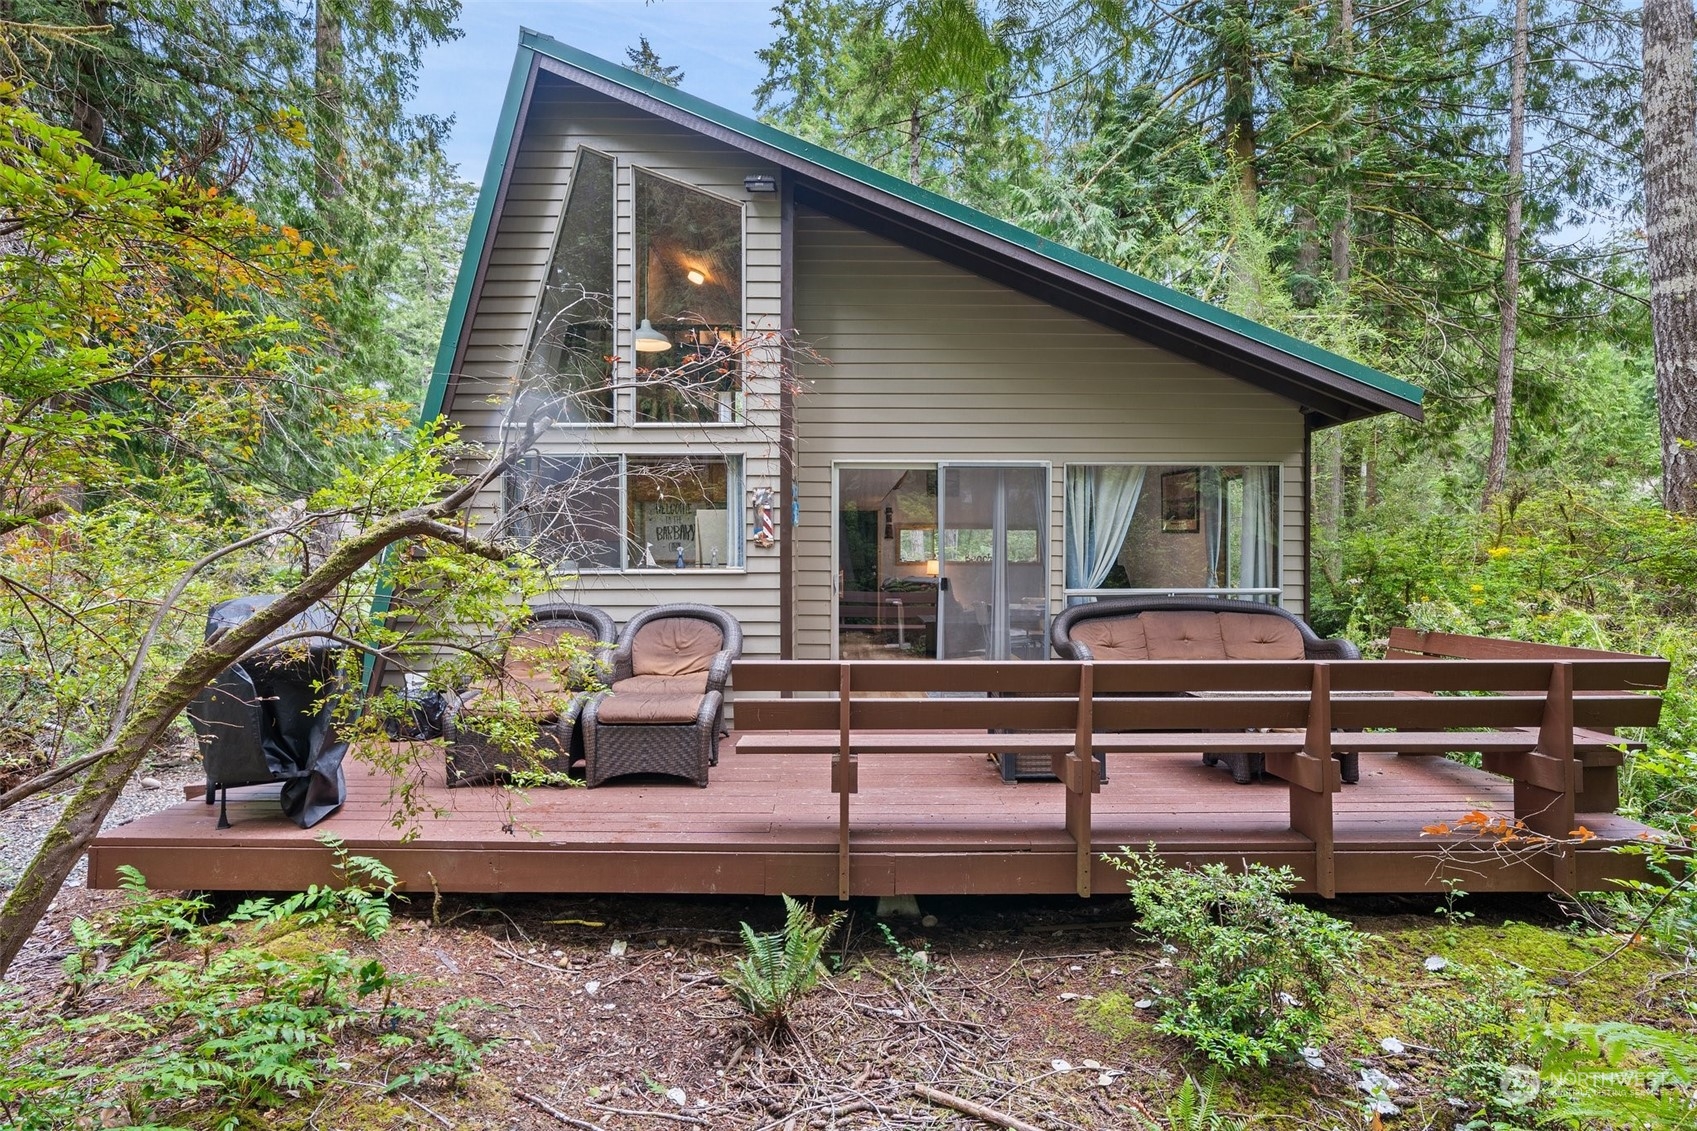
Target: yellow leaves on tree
pixel 137 307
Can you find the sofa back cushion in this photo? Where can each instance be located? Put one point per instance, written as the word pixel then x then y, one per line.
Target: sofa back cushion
pixel 1257 636
pixel 1183 635
pixel 547 675
pixel 1175 634
pixel 1113 638
pixel 675 646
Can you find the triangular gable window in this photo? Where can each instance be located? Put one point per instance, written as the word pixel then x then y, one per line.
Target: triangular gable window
pixel 571 345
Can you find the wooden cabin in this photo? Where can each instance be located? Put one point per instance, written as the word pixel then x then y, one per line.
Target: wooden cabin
pixel 999 425
pixel 990 427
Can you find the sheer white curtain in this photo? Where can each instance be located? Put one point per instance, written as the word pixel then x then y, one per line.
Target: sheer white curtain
pixel 1100 503
pixel 1258 531
pixel 1213 518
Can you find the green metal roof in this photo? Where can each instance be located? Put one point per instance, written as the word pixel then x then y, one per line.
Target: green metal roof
pixel 983 222
pixel 1400 395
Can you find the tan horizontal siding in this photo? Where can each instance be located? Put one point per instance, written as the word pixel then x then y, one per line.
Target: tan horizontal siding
pixel 930 362
pixel 563 117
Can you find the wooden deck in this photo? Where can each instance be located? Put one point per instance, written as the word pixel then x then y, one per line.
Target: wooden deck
pixel 938 823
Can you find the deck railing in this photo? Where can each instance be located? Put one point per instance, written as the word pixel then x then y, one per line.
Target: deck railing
pixel 1546 721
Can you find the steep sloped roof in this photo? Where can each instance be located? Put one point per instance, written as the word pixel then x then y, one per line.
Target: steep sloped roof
pixel 1330 387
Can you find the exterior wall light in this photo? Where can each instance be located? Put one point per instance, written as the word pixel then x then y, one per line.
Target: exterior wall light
pixel 760 182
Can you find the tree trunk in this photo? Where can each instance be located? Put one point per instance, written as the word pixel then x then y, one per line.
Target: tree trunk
pixel 1508 302
pixel 913 146
pixel 1670 221
pixel 1305 290
pixel 1240 111
pixel 1340 226
pixel 69 837
pixel 329 153
pixel 87 117
pixel 1238 53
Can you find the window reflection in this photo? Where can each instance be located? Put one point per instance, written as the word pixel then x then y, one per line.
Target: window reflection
pixel 571 346
pixel 689 291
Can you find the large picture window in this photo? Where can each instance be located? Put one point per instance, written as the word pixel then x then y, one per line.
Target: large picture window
pixel 571 344
pixel 688 304
pixel 626 513
pixel 1142 528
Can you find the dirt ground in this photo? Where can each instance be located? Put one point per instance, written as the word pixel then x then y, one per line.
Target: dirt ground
pixel 612 1014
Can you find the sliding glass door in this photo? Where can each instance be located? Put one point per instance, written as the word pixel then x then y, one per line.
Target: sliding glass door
pixel 886 585
pixel 943 561
pixel 993 522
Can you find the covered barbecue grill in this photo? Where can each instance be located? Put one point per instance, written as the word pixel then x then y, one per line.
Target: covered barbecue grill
pixel 268 718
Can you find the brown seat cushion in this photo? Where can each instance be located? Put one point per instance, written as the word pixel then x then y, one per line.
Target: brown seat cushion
pixel 1113 638
pixel 1256 636
pixel 640 708
pixel 1183 635
pixel 693 684
pixel 675 646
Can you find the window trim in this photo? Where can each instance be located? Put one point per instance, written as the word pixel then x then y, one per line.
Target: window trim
pixel 1276 592
pixel 736 508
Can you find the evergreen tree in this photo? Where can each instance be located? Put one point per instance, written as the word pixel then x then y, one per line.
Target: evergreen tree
pixel 646 62
pixel 297 107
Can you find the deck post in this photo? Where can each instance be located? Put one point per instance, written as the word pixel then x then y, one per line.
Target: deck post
pixel 1081 777
pixel 845 774
pixel 1546 781
pixel 1311 807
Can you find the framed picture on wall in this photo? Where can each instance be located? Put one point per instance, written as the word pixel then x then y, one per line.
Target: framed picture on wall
pixel 1181 503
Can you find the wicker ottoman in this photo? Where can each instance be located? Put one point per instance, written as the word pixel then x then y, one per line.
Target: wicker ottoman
pixel 632 733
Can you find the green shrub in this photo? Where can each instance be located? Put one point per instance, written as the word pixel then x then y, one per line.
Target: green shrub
pixel 1478 1039
pixel 1250 970
pixel 222 1023
pixel 782 966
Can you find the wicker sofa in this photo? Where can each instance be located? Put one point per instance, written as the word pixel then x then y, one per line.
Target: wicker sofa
pixel 1196 628
pixel 665 707
pixel 546 696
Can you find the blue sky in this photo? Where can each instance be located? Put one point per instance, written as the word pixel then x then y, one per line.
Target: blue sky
pixel 714 41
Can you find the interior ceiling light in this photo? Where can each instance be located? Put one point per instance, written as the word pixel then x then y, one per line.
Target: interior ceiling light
pixel 650 340
pixel 696 276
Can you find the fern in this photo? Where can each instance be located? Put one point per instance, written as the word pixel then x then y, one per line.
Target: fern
pixel 781 967
pixel 1196 1106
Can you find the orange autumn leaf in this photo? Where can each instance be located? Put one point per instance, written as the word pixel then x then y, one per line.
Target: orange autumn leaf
pixel 1439 829
pixel 1582 834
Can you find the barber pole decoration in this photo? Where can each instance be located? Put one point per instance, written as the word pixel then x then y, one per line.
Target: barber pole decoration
pixel 764 535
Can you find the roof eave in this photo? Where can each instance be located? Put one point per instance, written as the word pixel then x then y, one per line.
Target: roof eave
pixel 1353 397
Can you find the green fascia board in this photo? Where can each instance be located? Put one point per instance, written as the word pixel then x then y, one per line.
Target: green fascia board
pixel 478 237
pixel 531 41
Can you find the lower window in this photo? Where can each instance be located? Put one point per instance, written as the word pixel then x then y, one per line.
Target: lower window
pixel 1148 528
pixel 628 512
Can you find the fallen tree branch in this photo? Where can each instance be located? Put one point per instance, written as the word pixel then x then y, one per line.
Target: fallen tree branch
pixel 47 780
pixel 544 1105
pixel 969 1107
pixel 651 1114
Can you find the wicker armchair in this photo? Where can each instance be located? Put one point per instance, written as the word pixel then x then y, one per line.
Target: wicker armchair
pixel 551 699
pixel 665 710
pixel 1197 628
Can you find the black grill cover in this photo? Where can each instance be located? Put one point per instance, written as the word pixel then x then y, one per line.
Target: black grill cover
pixel 258 721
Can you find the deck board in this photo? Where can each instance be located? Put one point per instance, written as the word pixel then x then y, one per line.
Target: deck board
pixel 921 824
